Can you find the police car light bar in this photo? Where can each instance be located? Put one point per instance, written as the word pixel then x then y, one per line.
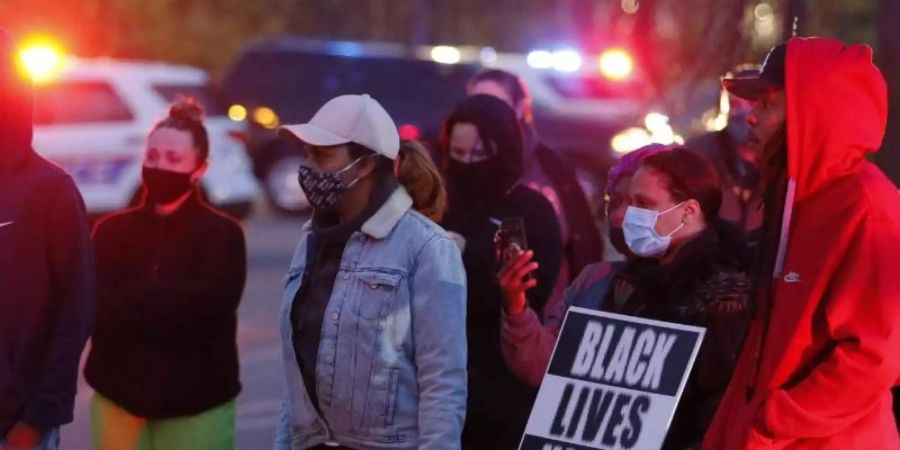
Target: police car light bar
pixel 41 58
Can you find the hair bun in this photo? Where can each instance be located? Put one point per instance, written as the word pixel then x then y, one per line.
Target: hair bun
pixel 187 108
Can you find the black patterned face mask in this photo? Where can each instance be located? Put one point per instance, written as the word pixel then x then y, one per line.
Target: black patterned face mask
pixel 323 189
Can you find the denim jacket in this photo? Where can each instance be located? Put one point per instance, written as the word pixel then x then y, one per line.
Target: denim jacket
pixel 391 369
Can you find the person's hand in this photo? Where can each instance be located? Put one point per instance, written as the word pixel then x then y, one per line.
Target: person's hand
pixel 514 281
pixel 23 436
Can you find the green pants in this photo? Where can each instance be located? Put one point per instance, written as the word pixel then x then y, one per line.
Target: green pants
pixel 113 428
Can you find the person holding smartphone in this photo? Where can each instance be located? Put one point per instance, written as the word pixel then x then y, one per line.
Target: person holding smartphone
pixel 482 155
pixel 697 277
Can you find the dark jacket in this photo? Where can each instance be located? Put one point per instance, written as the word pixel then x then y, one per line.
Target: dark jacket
pixel 169 289
pixel 46 270
pixel 495 394
pixel 706 286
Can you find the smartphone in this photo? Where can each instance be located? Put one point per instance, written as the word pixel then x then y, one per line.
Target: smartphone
pixel 510 240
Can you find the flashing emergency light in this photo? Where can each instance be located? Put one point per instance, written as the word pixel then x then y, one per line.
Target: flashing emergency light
pixel 41 59
pixel 540 59
pixel 616 64
pixel 566 60
pixel 445 54
pixel 237 113
pixel 488 55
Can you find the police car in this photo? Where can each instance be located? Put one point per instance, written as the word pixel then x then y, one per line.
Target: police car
pixel 92 117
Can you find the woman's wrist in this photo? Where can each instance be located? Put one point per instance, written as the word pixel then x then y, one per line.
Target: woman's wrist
pixel 516 305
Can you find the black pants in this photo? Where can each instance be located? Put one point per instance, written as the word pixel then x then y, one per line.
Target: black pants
pixel 490 436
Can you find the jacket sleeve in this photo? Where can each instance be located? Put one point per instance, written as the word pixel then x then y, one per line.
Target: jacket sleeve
pixel 860 314
pixel 113 317
pixel 168 310
pixel 438 309
pixel 71 264
pixel 527 345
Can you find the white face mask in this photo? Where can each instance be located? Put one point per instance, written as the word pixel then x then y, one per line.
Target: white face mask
pixel 640 232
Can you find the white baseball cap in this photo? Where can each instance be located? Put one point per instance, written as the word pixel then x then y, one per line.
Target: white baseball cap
pixel 349 118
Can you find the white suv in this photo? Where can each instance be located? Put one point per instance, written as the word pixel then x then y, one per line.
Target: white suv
pixel 94 118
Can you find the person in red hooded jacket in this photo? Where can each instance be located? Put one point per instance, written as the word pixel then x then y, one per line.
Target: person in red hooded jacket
pixel 822 352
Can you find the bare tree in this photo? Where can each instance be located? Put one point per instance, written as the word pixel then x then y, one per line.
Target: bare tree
pixel 685 42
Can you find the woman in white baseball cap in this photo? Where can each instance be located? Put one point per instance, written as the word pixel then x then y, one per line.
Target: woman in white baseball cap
pixel 373 313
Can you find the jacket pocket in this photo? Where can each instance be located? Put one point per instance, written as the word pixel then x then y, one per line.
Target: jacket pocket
pixel 391 404
pixel 375 292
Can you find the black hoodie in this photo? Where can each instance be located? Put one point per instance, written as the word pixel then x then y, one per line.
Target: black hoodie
pixel 480 195
pixel 46 269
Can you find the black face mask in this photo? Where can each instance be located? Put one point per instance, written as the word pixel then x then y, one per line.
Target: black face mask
pixel 478 180
pixel 164 186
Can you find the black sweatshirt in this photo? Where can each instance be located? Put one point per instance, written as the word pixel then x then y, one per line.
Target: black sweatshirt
pixel 495 394
pixel 169 288
pixel 481 195
pixel 46 270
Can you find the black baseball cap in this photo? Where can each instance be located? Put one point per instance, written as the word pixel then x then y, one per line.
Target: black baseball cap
pixel 750 85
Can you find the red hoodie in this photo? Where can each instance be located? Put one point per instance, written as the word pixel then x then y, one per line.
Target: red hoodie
pixel 831 350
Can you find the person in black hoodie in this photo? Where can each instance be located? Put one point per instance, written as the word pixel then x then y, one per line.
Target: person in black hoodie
pixel 171 273
pixel 46 276
pixel 546 171
pixel 482 145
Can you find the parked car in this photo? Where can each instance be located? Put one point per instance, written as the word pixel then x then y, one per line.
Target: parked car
pixel 93 119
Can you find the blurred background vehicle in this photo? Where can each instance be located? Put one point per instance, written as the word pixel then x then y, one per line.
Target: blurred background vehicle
pixel 92 116
pixel 578 105
pixel 286 80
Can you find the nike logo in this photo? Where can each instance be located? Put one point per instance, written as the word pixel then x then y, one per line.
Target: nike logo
pixel 5 224
pixel 792 277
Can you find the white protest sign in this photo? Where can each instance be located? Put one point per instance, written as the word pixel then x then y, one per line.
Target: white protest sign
pixel 613 383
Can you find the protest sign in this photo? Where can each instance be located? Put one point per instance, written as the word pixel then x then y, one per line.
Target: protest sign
pixel 613 383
